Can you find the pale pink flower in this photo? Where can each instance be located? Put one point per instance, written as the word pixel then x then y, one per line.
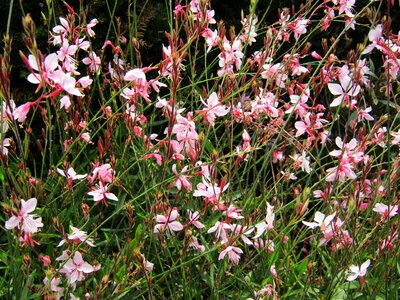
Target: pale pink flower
pixel 54 286
pixel 345 90
pixel 299 105
pixel 100 193
pixel 396 137
pixel 89 27
pixel 386 211
pixel 233 254
pixel 22 111
pixel 358 272
pixel 71 174
pixel 60 31
pixel 46 69
pixel 194 219
pixel 211 191
pixel 195 244
pixel 346 6
pixel 65 55
pixel 211 38
pixel 167 223
pixel 137 75
pixel 65 102
pixel 6 114
pixel 299 27
pixel 4 144
pixel 233 213
pixel 93 61
pixel 78 236
pixel 347 151
pixel 302 161
pixel 220 229
pixel 275 72
pixel 363 114
pixel 267 224
pixel 230 56
pixel 265 103
pixel 149 266
pixel 86 137
pixel 66 82
pixel 249 29
pixel 75 268
pixel 242 231
pixel 185 130
pixel 182 180
pixel 213 108
pixel 24 220
pixel 293 63
pixel 82 44
pixel 85 81
pixel 277 156
pixel 273 272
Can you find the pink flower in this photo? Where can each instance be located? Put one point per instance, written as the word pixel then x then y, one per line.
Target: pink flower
pixel 341 172
pixel 104 173
pixel 302 161
pixel 74 268
pixel 230 56
pixel 273 272
pixel 385 211
pixel 265 103
pixel 168 222
pixel 148 266
pixel 233 254
pixel 374 36
pixel 358 272
pixel 213 108
pixel 137 75
pixel 24 220
pixel 100 193
pixel 185 129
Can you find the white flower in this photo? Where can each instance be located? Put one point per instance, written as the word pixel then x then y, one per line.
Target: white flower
pixel 356 271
